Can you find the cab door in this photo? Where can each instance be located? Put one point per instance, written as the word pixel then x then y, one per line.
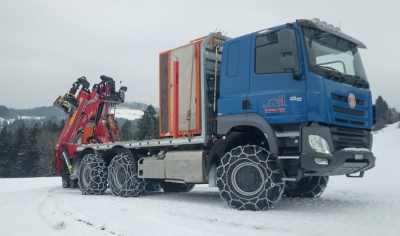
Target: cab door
pixel 273 92
pixel 234 82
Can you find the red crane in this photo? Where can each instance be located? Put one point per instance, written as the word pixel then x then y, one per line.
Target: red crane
pixel 80 111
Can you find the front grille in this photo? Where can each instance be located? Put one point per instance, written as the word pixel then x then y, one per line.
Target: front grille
pixel 341 98
pixel 348 138
pixel 350 121
pixel 348 111
pixel 339 109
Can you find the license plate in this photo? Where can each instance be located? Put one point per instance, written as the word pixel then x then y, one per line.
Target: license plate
pixel 359 156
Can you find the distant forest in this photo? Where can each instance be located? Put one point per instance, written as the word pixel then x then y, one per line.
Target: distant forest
pixel 385 115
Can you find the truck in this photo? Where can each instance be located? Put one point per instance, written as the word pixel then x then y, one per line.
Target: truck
pixel 268 114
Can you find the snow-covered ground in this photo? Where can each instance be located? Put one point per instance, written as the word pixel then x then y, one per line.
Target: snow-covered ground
pixel 349 206
pixel 126 113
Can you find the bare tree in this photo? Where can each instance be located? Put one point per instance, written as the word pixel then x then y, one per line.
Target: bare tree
pixel 46 141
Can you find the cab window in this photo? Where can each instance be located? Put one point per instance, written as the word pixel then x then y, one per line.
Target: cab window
pixel 268 55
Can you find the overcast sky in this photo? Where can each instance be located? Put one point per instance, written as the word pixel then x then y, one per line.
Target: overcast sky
pixel 46 45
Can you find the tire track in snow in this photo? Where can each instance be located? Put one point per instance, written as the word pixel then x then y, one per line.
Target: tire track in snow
pixel 57 213
pixel 202 212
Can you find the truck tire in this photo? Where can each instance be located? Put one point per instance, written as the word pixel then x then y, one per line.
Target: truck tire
pixel 92 176
pixel 248 178
pixel 176 187
pixel 122 177
pixel 307 187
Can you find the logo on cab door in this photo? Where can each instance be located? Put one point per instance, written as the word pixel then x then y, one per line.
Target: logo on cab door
pixel 352 100
pixel 276 105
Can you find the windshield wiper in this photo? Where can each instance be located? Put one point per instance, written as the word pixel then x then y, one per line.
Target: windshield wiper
pixel 336 76
pixel 359 79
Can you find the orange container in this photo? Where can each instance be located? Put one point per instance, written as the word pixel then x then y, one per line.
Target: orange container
pixel 189 89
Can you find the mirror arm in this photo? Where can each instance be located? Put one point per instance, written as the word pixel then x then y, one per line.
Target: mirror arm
pixel 296 76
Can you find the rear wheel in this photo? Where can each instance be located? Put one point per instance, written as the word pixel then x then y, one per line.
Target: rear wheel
pixel 248 178
pixel 176 187
pixel 123 178
pixel 92 176
pixel 307 187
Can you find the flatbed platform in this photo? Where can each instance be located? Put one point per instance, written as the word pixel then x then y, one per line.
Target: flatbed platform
pixel 144 143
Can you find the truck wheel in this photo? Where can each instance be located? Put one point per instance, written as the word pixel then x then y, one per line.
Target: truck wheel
pixel 92 176
pixel 153 187
pixel 176 187
pixel 248 178
pixel 122 177
pixel 307 187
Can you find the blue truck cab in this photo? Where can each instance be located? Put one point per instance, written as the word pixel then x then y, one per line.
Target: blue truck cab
pixel 301 91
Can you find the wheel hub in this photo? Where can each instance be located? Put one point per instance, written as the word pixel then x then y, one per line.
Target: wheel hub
pixel 86 172
pixel 120 176
pixel 247 178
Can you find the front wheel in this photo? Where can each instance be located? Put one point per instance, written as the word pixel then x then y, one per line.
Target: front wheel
pixel 248 178
pixel 122 177
pixel 307 187
pixel 92 176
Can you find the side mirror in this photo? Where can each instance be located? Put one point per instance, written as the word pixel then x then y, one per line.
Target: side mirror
pixel 123 89
pixel 287 63
pixel 285 41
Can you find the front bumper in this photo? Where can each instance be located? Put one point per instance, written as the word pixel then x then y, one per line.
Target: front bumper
pixel 340 163
pixel 353 159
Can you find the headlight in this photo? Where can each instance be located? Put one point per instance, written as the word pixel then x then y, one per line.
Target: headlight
pixel 319 144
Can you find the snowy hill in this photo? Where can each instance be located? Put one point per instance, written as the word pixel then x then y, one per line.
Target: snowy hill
pixel 349 206
pixel 10 121
pixel 126 113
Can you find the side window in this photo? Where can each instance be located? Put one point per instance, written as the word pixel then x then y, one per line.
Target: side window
pixel 268 55
pixel 233 59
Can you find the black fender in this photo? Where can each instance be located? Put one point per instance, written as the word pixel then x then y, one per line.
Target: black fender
pixel 226 123
pixel 230 141
pixel 219 148
pixel 78 158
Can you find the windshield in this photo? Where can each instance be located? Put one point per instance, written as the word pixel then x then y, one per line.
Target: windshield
pixel 327 50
